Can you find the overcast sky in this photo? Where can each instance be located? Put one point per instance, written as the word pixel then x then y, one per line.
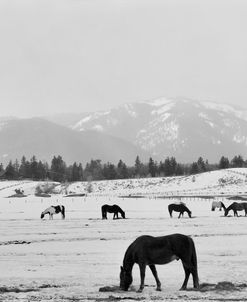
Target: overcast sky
pixel 86 55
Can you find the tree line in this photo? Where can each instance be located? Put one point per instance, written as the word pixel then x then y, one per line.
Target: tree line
pixel 59 171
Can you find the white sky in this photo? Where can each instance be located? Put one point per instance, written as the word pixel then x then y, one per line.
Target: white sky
pixel 85 55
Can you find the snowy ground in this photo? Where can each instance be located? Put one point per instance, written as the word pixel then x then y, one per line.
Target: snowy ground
pixel 69 260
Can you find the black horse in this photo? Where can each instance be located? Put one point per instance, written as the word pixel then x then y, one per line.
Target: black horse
pixel 112 209
pixel 181 208
pixel 148 250
pixel 235 206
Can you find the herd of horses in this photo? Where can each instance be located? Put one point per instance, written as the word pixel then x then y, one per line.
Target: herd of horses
pixel 176 207
pixel 149 251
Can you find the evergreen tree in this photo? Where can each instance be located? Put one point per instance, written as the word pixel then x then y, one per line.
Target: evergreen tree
pixel 41 173
pixel 1 170
pixel 168 167
pixel 80 172
pixel 201 165
pixel 194 168
pixel 109 171
pixel 179 170
pixel 10 172
pixel 16 167
pixel 58 169
pixel 224 163
pixel 138 167
pixel 34 168
pixel 237 162
pixel 75 172
pixel 93 170
pixel 152 167
pixel 173 165
pixel 122 171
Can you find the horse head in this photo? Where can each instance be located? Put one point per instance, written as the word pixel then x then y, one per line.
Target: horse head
pixel 226 211
pixel 123 214
pixel 189 213
pixel 42 215
pixel 125 279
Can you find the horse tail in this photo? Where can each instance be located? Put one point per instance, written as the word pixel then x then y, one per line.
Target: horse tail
pixel 170 210
pixel 194 264
pixel 62 211
pixel 193 256
pixel 103 212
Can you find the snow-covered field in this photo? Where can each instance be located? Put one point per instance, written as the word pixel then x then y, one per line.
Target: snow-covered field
pixel 69 260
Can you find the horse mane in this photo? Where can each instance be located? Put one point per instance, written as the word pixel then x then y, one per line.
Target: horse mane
pixel 128 260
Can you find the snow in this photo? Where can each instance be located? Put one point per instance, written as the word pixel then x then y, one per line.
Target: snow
pixel 98 127
pixel 163 109
pixel 158 133
pixel 130 110
pixel 240 139
pixel 241 113
pixel 158 102
pixel 69 260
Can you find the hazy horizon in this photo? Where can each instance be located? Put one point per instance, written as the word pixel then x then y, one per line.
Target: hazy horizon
pixel 62 56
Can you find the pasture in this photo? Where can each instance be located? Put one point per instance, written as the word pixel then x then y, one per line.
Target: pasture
pixel 69 260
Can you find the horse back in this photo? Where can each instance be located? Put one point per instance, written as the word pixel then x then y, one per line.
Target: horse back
pixel 161 250
pixel 178 207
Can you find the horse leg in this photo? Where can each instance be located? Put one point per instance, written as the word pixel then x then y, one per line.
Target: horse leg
pixel 154 271
pixel 187 274
pixel 170 212
pixel 179 214
pixel 142 267
pixel 195 277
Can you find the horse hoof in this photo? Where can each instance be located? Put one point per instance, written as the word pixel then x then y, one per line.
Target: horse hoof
pixel 139 290
pixel 158 289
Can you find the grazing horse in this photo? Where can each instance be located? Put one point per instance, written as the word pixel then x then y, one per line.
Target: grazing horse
pixel 148 250
pixel 237 206
pixel 217 204
pixel 112 209
pixel 178 208
pixel 54 210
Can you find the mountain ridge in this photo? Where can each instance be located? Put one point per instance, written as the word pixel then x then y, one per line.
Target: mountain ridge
pixel 158 128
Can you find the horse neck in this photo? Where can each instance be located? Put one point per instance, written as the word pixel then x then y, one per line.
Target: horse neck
pixel 121 211
pixel 46 210
pixel 223 206
pixel 187 210
pixel 128 261
pixel 228 209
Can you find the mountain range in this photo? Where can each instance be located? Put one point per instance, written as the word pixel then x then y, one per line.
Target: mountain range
pixel 183 128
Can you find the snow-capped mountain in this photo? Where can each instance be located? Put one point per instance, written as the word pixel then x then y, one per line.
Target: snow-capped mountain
pixel 159 128
pixel 182 128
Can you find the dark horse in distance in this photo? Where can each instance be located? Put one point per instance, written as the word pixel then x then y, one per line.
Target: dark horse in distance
pixel 236 206
pixel 112 209
pixel 148 250
pixel 181 208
